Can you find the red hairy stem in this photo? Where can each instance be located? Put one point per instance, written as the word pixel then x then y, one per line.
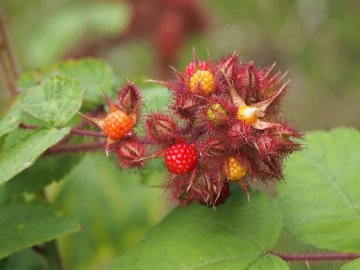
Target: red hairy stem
pixel 315 257
pixel 75 148
pixel 88 133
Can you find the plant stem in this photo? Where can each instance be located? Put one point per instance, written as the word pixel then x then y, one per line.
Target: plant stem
pixel 87 133
pixel 7 58
pixel 82 147
pixel 53 256
pixel 315 257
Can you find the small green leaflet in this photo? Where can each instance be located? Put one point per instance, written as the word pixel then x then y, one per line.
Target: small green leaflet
pixel 54 101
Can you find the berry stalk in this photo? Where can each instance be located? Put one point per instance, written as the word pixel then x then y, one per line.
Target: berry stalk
pixel 316 257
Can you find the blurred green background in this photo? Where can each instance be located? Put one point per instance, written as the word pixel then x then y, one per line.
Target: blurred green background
pixel 318 41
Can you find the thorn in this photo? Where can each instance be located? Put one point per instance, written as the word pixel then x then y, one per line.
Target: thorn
pixel 245 187
pixel 148 157
pixel 273 78
pixel 208 55
pixel 270 70
pixel 171 178
pixel 257 147
pixel 192 178
pixel 158 81
pixel 195 58
pixel 284 75
pixel 108 143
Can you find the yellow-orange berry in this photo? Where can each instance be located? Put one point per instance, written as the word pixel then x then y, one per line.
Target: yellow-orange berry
pixel 247 114
pixel 215 112
pixel 204 79
pixel 117 124
pixel 235 171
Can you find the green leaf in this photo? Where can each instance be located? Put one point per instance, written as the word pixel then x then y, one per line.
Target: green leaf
pixel 156 98
pixel 12 119
pixel 320 202
pixel 95 75
pixel 234 236
pixel 24 224
pixel 351 265
pixel 55 101
pixel 270 262
pixel 27 150
pixel 46 170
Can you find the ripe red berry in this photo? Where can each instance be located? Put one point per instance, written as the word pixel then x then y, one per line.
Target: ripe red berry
pixel 117 124
pixel 192 68
pixel 181 158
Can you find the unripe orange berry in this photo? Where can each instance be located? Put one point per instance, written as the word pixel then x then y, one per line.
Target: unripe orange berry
pixel 204 79
pixel 215 112
pixel 247 114
pixel 235 171
pixel 117 124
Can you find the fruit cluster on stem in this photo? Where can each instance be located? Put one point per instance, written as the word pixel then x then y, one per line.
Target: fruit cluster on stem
pixel 223 127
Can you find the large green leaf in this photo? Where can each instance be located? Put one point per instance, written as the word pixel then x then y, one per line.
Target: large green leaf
pixel 46 170
pixel 12 119
pixel 270 262
pixel 55 101
pixel 95 75
pixel 24 224
pixel 353 265
pixel 24 153
pixel 320 202
pixel 234 236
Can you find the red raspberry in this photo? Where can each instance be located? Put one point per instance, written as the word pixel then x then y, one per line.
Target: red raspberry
pixel 192 68
pixel 117 124
pixel 181 158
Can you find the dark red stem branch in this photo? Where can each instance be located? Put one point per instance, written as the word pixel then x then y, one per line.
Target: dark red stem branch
pixel 75 148
pixel 87 133
pixel 315 257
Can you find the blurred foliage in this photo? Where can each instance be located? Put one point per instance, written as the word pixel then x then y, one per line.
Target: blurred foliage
pixel 318 41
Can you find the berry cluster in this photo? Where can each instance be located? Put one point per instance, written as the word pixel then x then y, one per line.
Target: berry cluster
pixel 226 114
pixel 224 127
